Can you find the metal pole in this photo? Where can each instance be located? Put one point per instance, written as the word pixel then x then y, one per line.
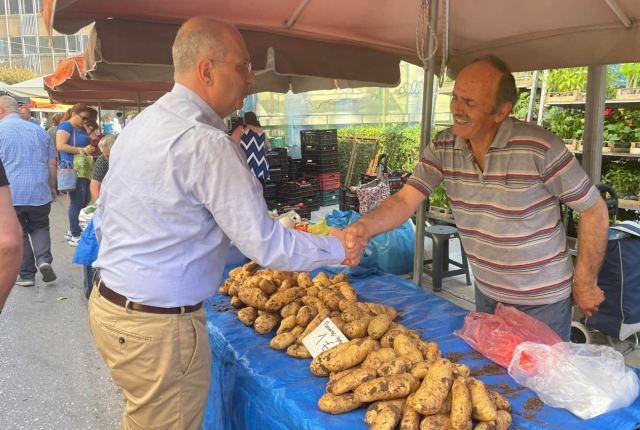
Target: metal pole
pixel 594 121
pixel 532 96
pixel 543 96
pixel 425 137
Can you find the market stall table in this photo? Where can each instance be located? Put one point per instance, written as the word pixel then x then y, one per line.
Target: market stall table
pixel 256 387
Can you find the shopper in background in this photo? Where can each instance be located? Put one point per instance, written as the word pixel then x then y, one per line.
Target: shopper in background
pixel 177 192
pixel 11 240
pixel 25 114
pixel 102 166
pixel 255 143
pixel 72 139
pixel 107 125
pixel 29 158
pixel 53 128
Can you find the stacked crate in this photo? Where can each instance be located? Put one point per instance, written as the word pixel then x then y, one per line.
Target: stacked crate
pixel 301 196
pixel 295 169
pixel 278 165
pixel 320 160
pixel 349 200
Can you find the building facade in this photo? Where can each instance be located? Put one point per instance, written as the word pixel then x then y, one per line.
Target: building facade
pixel 24 41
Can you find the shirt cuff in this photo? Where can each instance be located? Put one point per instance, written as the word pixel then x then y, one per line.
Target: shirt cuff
pixel 336 250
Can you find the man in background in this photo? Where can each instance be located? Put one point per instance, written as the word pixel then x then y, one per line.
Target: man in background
pixel 29 157
pixel 25 114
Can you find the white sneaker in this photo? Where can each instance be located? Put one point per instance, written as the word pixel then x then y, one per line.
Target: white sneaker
pixel 74 241
pixel 22 282
pixel 68 236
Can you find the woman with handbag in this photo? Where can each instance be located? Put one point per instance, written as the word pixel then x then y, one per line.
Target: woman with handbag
pixel 72 141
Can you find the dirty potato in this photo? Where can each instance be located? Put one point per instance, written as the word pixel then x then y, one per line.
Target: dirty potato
pixel 434 388
pixel 379 326
pixel 350 381
pixel 266 322
pixel 338 404
pixel 386 388
pixel 460 404
pixel 436 422
pixel 298 350
pixel 483 408
pixel 248 315
pixel 282 340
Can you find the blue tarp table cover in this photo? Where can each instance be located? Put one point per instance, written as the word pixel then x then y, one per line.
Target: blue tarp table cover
pixel 256 387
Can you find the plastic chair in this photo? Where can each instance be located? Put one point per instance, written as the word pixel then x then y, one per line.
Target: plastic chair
pixel 440 235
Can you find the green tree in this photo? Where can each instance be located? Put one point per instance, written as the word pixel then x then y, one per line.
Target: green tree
pixel 14 75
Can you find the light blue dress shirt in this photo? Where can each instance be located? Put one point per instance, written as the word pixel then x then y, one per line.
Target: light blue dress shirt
pixel 177 191
pixel 25 150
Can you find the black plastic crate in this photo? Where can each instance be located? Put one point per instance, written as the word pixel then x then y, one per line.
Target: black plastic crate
pixel 278 174
pixel 349 207
pixel 326 159
pixel 327 151
pixel 329 198
pixel 318 137
pixel 316 169
pixel 269 189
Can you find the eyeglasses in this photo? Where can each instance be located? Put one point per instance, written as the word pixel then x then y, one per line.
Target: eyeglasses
pixel 85 118
pixel 245 67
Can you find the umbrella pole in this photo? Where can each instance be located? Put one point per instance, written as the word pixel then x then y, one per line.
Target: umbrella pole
pixel 594 121
pixel 425 136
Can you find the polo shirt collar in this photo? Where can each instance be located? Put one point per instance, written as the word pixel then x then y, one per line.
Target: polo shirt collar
pixel 500 141
pixel 13 115
pixel 209 114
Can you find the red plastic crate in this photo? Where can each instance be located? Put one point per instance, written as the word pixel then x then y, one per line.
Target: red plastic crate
pixel 329 181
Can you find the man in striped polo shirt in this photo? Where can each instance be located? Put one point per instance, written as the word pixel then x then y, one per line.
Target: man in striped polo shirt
pixel 504 179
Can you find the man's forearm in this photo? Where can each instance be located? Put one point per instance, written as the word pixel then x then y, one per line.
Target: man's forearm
pixel 592 242
pixel 393 211
pixel 52 175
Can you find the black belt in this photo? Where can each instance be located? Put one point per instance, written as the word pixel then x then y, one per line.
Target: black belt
pixel 120 300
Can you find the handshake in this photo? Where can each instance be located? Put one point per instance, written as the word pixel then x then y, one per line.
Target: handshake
pixel 354 239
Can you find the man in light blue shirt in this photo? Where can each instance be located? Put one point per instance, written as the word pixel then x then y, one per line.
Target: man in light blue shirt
pixel 177 192
pixel 25 114
pixel 29 158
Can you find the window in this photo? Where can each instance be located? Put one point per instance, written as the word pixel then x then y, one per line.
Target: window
pixel 59 45
pixel 30 45
pixel 44 45
pixel 16 45
pixel 28 6
pixel 72 42
pixel 14 7
pixel 85 39
pixel 3 11
pixel 4 47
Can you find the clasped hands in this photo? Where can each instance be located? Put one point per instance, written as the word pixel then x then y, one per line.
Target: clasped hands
pixel 354 239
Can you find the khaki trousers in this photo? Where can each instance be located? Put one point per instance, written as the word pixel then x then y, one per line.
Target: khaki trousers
pixel 162 363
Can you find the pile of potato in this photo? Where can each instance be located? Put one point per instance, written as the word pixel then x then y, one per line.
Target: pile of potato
pixel 404 379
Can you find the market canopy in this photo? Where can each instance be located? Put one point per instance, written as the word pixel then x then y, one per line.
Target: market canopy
pixel 31 88
pixel 66 85
pixel 528 35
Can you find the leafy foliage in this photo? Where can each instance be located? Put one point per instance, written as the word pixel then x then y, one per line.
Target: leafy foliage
pixel 14 75
pixel 566 123
pixel 567 80
pixel 623 176
pixel 631 73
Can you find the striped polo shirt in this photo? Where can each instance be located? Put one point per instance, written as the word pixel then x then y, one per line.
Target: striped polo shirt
pixel 508 215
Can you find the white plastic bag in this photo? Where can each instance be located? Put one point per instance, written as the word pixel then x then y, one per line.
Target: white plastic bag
pixel 588 380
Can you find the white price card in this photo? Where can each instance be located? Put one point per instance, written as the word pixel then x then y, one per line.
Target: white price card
pixel 324 337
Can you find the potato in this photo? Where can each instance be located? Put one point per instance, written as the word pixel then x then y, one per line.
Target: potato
pixel 330 298
pixel 352 313
pixel 500 402
pixel 248 315
pixel 485 425
pixel 410 417
pixel 298 350
pixel 339 323
pixel 346 355
pixel 338 404
pixel 483 408
pixel 461 370
pixel 340 374
pixel 250 268
pixel 237 303
pixel 224 288
pixel 434 388
pixel 386 388
pixel 313 291
pixel 377 309
pixel 267 285
pixel 340 277
pixel 287 324
pixel 379 326
pixel 387 418
pixel 234 288
pixel 304 280
pixel 503 421
pixel 433 352
pixel 322 314
pixel 436 422
pixel 233 274
pixel 305 315
pixel 290 310
pixel 460 404
pixel 283 340
pixel 266 322
pixel 394 330
pixel 254 297
pixel 419 370
pixel 407 346
pixel 347 292
pixel 394 367
pixel 376 407
pixel 350 381
pixel 357 329
pixel 377 357
pixel 281 298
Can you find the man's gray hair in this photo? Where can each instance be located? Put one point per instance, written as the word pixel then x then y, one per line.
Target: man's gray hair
pixel 107 141
pixel 507 89
pixel 8 103
pixel 196 38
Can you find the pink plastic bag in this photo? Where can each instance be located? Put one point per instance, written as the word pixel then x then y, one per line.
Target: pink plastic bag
pixel 496 335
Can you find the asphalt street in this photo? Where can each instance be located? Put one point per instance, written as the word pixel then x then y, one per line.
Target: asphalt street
pixel 51 375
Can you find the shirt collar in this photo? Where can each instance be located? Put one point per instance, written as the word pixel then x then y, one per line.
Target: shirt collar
pixel 209 114
pixel 500 141
pixel 12 115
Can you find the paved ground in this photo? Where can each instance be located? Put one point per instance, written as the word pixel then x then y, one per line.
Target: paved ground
pixel 51 375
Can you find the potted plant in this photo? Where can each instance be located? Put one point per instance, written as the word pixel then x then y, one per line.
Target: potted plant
pixel 631 73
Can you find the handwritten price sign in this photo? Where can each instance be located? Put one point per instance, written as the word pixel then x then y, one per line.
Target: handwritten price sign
pixel 323 338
